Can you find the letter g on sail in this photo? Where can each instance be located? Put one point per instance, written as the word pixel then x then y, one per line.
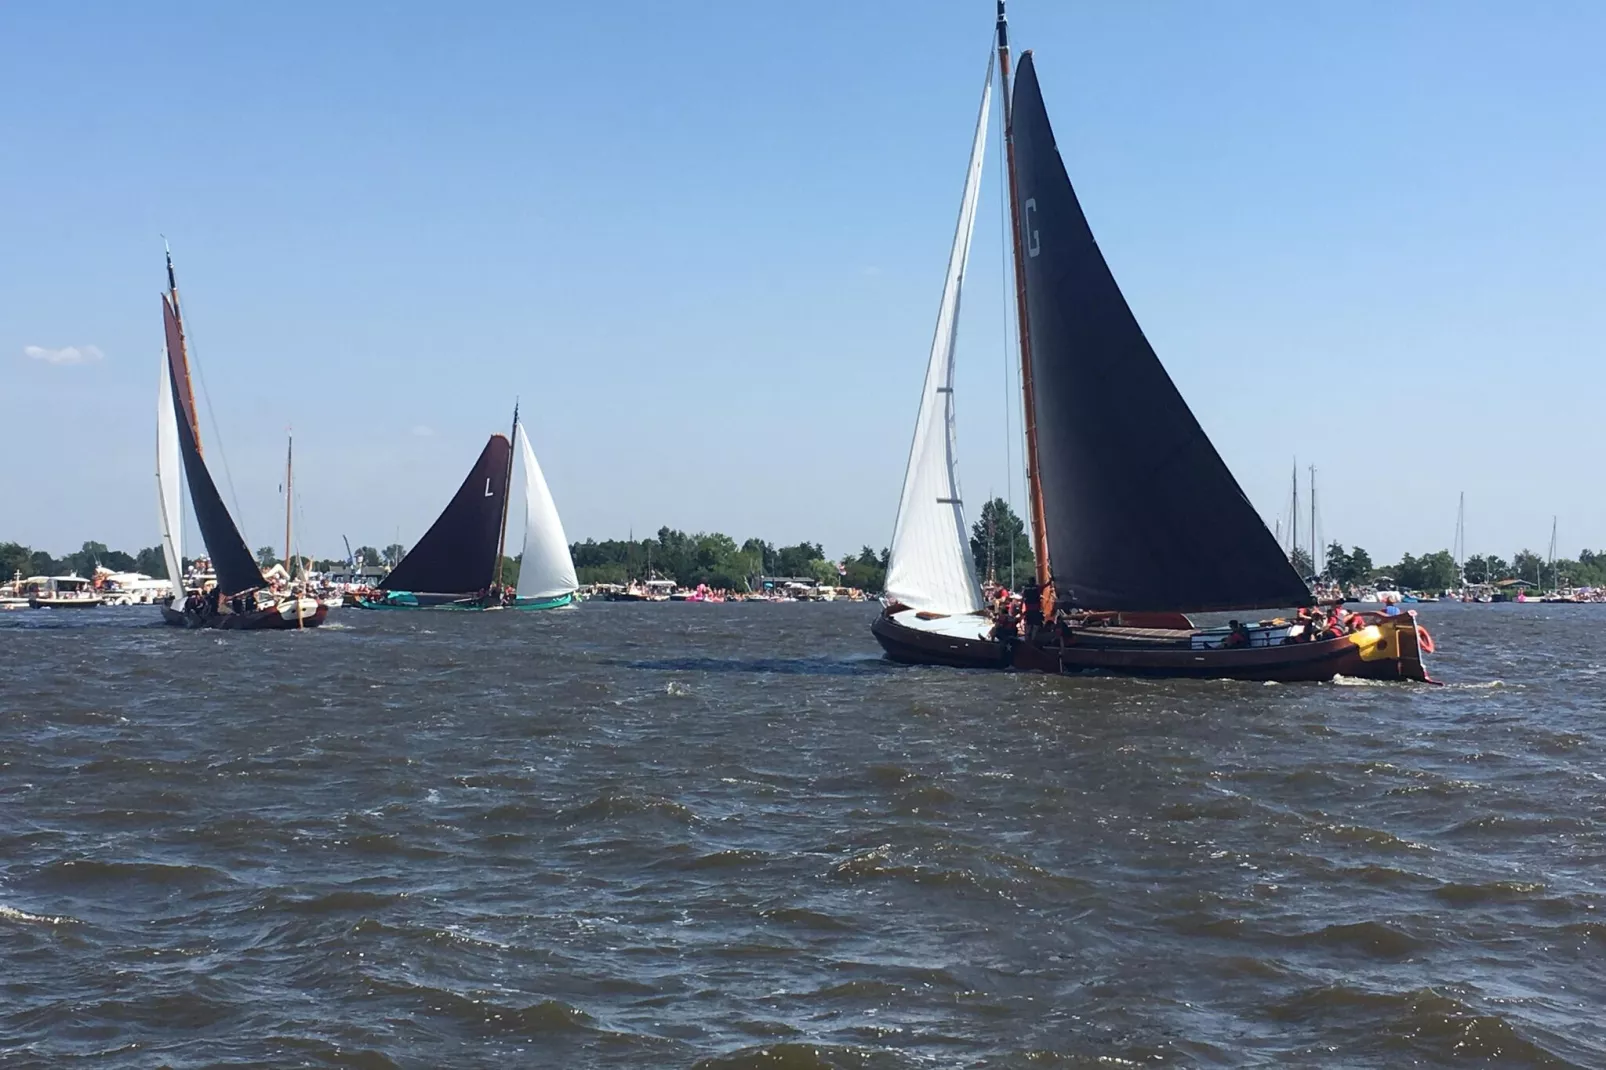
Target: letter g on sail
pixel 1028 217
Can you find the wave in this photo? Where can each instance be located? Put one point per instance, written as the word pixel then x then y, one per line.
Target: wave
pixel 1419 1021
pixel 801 1056
pixel 1373 938
pixel 13 914
pixel 610 806
pixel 78 873
pixel 1461 895
pixel 544 1017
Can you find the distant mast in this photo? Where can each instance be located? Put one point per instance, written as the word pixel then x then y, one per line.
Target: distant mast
pixel 1034 487
pixel 289 493
pixel 1461 542
pixel 1315 566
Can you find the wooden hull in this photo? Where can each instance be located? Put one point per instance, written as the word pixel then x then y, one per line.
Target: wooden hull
pixel 913 646
pixel 254 621
pixel 1390 649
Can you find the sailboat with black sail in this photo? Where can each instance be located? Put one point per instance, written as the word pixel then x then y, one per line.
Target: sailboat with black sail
pixel 240 598
pixel 457 565
pixel 1136 520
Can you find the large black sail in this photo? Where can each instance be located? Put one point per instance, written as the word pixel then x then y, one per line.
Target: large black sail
pixel 457 555
pixel 1141 512
pixel 233 564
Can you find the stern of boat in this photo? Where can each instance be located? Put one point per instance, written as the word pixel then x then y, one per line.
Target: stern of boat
pixel 1391 648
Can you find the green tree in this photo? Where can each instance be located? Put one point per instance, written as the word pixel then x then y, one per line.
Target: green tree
pixel 1527 565
pixel 393 554
pixel 1360 563
pixel 798 560
pixel 1301 561
pixel 825 572
pixel 1437 571
pixel 510 570
pixel 266 558
pixel 865 575
pixel 993 536
pixel 14 558
pixel 90 555
pixel 152 562
pixel 367 557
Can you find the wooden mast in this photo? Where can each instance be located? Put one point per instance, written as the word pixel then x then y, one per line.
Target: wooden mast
pixel 507 493
pixel 183 355
pixel 1034 488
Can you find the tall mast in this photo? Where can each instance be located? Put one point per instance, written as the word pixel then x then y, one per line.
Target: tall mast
pixel 1034 488
pixel 1315 571
pixel 289 495
pixel 183 355
pixel 1461 541
pixel 289 499
pixel 1293 537
pixel 507 492
pixel 1555 573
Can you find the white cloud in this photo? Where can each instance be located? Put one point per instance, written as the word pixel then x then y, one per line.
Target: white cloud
pixel 421 431
pixel 64 355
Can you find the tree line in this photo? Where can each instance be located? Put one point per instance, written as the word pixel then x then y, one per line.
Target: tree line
pixel 689 559
pixel 1000 547
pixel 1437 571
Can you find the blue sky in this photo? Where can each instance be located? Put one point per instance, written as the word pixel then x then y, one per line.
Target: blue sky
pixel 704 246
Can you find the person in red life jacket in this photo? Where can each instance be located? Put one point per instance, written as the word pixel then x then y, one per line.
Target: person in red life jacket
pixel 1032 598
pixel 1238 636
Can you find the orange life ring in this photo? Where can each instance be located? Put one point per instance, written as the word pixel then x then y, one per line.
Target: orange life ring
pixel 1424 641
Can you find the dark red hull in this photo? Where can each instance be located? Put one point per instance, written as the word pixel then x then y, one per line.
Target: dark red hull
pixel 254 621
pixel 1391 649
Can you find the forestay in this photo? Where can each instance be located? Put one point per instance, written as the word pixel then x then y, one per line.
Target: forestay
pixel 546 570
pixel 931 567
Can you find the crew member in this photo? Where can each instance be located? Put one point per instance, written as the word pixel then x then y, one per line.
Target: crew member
pixel 1031 597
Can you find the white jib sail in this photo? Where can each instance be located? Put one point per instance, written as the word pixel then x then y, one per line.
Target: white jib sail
pixel 546 570
pixel 931 567
pixel 169 482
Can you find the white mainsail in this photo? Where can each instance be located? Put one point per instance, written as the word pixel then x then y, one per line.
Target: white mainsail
pixel 546 570
pixel 931 567
pixel 169 481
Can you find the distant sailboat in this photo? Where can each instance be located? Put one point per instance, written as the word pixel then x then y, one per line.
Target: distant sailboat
pixel 456 565
pixel 1136 520
pixel 241 597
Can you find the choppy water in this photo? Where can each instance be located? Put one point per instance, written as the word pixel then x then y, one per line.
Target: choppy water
pixel 731 836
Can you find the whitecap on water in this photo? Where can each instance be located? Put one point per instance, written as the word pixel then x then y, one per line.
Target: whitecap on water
pixel 13 914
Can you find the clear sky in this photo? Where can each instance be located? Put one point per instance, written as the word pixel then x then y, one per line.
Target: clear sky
pixel 704 243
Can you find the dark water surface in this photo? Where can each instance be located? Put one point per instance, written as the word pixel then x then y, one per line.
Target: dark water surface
pixel 731 836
